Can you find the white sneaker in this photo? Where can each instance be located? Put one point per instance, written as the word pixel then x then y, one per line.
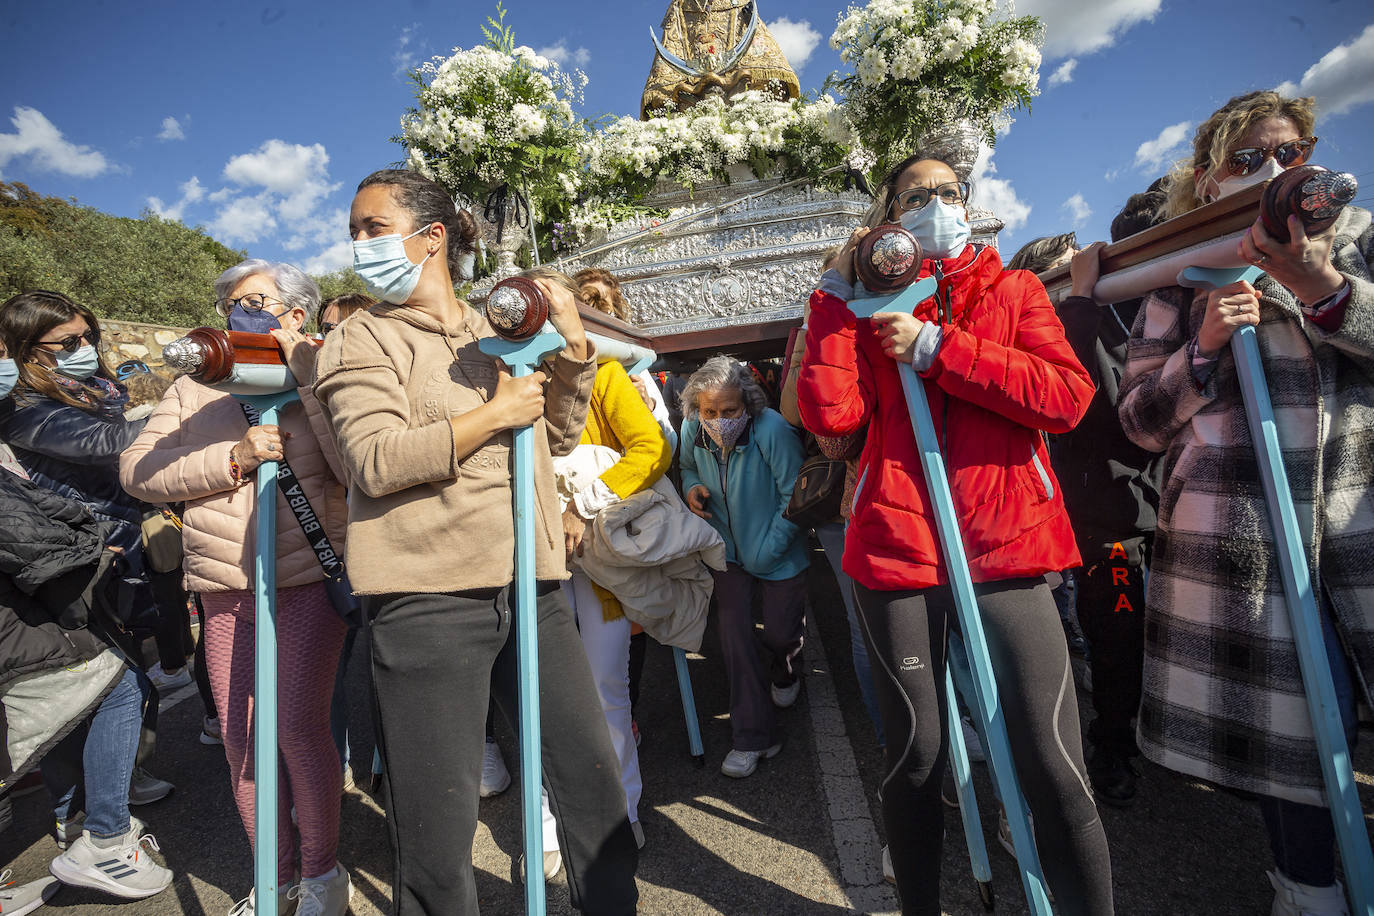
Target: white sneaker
pixel 209 731
pixel 165 682
pixel 1294 899
pixel 889 875
pixel 327 895
pixel 739 764
pixel 495 776
pixel 784 697
pixel 971 742
pixel 144 788
pixel 69 832
pixel 553 864
pixel 126 870
pixel 18 899
pixel 248 905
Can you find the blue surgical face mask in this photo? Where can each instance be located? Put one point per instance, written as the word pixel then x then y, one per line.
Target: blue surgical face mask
pixel 80 365
pixel 9 376
pixel 385 268
pixel 941 229
pixel 255 322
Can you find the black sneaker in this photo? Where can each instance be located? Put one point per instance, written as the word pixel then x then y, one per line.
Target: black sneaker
pixel 1113 777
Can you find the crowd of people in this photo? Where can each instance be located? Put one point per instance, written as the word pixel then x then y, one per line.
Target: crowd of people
pixel 1083 443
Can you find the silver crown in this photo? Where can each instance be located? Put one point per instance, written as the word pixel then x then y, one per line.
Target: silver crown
pixel 893 254
pixel 183 354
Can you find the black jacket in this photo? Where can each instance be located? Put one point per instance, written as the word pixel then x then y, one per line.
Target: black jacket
pixel 56 579
pixel 75 453
pixel 1111 485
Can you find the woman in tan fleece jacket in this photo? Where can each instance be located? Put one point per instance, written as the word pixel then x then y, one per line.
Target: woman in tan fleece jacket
pixel 423 421
pixel 198 448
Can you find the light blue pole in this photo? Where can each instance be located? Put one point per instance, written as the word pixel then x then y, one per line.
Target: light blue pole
pixel 1332 750
pixel 522 357
pixel 689 706
pixel 265 665
pixel 968 798
pixel 986 705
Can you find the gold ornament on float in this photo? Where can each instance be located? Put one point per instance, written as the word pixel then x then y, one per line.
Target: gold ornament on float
pixel 714 47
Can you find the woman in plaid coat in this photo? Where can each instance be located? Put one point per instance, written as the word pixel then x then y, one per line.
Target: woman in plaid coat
pixel 1223 695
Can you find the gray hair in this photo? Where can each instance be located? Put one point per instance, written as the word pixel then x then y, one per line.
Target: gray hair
pixel 719 373
pixel 297 290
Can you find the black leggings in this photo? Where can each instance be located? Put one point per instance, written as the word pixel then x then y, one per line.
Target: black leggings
pixel 906 632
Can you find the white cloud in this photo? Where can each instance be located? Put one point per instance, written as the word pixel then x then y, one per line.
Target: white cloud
pixel 996 194
pixel 39 140
pixel 172 129
pixel 337 255
pixel 404 57
pixel 796 39
pixel 1085 26
pixel 298 173
pixel 244 220
pixel 1159 153
pixel 1342 79
pixel 1064 74
pixel 565 58
pixel 192 191
pixel 1078 210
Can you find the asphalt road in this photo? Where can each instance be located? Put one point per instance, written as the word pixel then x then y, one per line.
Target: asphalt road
pixel 801 836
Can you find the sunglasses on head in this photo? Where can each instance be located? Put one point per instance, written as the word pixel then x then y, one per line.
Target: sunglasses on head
pixel 1242 162
pixel 72 342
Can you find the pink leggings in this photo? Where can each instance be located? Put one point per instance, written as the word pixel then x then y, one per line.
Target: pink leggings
pixel 309 636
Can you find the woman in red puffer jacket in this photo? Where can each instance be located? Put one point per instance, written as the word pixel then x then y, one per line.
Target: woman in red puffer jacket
pixel 998 372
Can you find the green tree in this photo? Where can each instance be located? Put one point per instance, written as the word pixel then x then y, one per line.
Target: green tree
pixel 147 269
pixel 338 282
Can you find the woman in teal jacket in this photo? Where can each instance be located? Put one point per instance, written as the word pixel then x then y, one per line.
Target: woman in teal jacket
pixel 739 462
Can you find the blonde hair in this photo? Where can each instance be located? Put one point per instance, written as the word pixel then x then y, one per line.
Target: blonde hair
pixel 1218 134
pixel 556 277
pixel 618 306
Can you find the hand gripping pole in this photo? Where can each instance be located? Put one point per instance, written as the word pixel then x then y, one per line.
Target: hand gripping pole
pixel 987 707
pixel 265 663
pixel 1332 750
pixel 522 357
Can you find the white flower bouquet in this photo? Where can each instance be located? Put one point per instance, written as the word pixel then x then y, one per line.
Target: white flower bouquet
pixel 923 65
pixel 497 114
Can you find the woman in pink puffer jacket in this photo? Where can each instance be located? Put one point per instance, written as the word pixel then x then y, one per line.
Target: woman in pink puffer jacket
pixel 198 448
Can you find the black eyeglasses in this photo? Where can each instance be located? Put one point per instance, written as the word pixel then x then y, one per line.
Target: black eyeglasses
pixel 1242 162
pixel 253 302
pixel 327 326
pixel 72 342
pixel 951 192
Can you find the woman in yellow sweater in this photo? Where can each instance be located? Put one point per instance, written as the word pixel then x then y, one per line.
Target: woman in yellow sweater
pixel 618 419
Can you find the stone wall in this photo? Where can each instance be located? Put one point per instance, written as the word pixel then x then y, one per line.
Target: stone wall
pixel 121 341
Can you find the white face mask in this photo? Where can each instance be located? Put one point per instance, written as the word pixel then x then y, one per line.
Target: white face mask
pixel 942 229
pixel 1209 189
pixel 385 268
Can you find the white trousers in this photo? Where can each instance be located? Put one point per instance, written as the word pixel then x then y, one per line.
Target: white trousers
pixel 607 644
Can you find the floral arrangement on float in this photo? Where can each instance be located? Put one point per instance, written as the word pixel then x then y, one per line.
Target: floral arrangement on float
pixel 935 74
pixel 495 126
pixel 754 129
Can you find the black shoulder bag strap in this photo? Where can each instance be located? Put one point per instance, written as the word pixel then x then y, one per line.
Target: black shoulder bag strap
pixel 291 488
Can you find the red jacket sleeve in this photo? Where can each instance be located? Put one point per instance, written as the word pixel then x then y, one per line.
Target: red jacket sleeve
pixel 835 392
pixel 1035 381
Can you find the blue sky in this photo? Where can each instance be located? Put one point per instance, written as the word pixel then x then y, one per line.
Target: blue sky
pixel 257 122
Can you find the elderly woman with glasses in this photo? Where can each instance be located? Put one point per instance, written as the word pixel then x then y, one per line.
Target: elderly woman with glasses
pixel 1223 698
pixel 998 373
pixel 201 449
